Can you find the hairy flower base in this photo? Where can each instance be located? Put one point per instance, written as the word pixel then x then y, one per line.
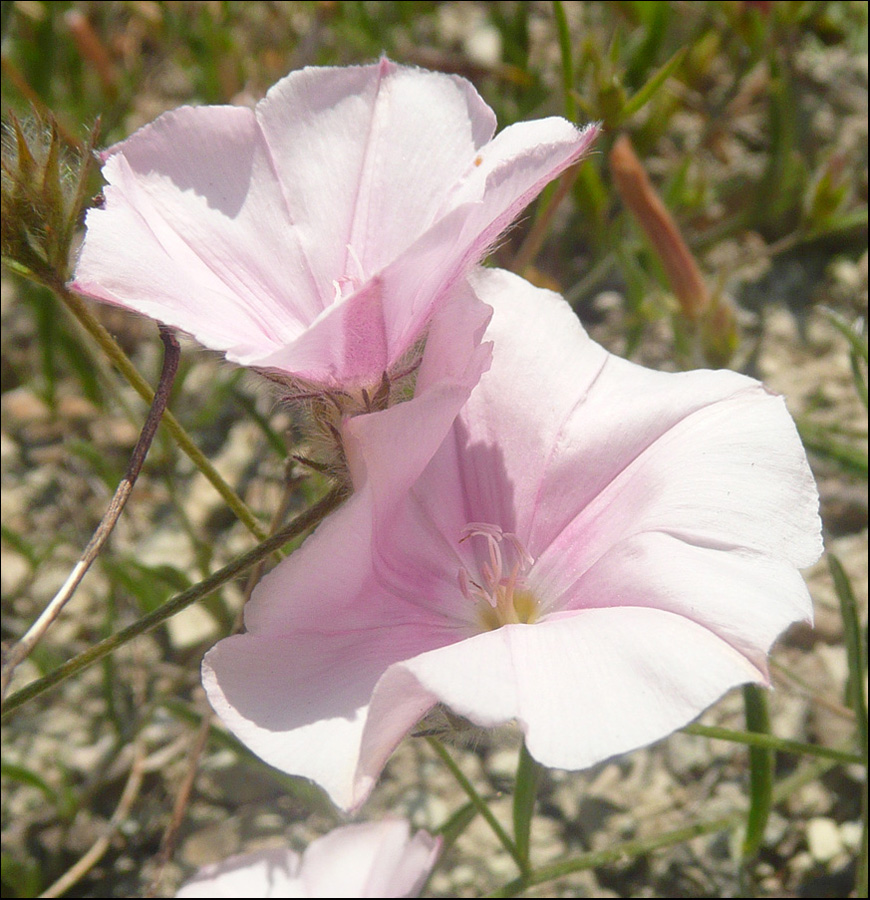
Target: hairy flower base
pixel 325 410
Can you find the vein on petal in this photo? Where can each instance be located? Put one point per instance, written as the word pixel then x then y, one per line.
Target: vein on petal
pixel 364 172
pixel 614 485
pixel 291 220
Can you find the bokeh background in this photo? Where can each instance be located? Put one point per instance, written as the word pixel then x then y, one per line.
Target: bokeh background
pixel 749 120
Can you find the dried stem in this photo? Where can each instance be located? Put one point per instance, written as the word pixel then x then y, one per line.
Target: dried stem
pixel 179 808
pixel 101 845
pixel 22 649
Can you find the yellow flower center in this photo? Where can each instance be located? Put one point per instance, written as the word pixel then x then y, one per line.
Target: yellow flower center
pixel 500 592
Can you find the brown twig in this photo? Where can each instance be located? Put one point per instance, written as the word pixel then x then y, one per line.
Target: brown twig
pixel 34 634
pixel 101 845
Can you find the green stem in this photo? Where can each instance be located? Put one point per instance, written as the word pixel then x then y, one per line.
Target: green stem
pixel 525 793
pixel 644 846
pixel 479 803
pixel 773 742
pixel 761 762
pixel 120 359
pixel 298 526
pixel 627 850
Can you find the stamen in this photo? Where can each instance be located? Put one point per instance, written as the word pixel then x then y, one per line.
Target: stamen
pixel 463 583
pixel 481 528
pixel 522 553
pixel 360 276
pixel 507 599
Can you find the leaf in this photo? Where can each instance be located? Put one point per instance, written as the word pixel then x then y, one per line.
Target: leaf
pixel 648 91
pixel 817 439
pixel 856 339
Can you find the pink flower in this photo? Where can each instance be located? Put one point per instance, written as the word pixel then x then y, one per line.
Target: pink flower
pixel 596 551
pixel 315 235
pixel 372 859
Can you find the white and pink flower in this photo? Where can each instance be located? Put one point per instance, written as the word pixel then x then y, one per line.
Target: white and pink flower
pixel 371 859
pixel 315 235
pixel 596 551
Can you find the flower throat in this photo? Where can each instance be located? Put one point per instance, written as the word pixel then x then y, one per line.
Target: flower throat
pixel 500 593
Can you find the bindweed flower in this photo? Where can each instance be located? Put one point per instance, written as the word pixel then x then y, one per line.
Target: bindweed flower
pixel 372 859
pixel 596 551
pixel 314 236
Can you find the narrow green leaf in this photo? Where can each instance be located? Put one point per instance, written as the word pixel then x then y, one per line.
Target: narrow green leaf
pixel 23 775
pixel 857 660
pixel 655 17
pixel 858 378
pixel 23 877
pixel 453 828
pixel 647 92
pixel 773 742
pixel 857 340
pixel 21 545
pixel 148 585
pixel 97 461
pixel 854 649
pixel 849 457
pixel 847 221
pixel 6 9
pixel 275 441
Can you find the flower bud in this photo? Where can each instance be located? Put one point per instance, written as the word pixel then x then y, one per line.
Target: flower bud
pixel 44 184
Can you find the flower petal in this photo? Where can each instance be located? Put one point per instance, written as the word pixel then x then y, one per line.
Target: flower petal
pixel 317 234
pixel 264 873
pixel 747 599
pixel 729 474
pixel 515 167
pixel 370 859
pixel 364 154
pixel 195 233
pixel 584 686
pixel 606 448
pixel 319 636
